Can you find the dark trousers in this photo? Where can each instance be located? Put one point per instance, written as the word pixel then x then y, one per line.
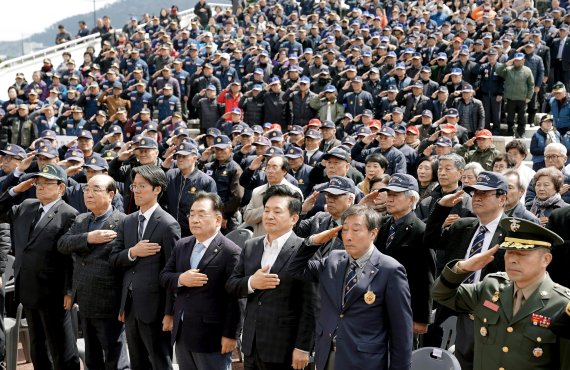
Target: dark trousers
pixel 492 113
pixel 52 340
pixel 103 343
pixel 149 346
pixel 254 362
pixel 517 107
pixel 559 74
pixel 464 342
pixel 532 108
pixel 2 329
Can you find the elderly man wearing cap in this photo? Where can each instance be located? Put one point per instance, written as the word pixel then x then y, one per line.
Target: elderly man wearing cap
pixel 467 237
pixel 519 88
pixel 485 151
pixel 299 169
pixel 166 103
pixel 415 101
pixel 560 107
pixel 112 99
pixel 401 237
pixel 184 182
pixel 140 98
pixel 275 108
pixel 252 104
pixel 300 95
pixel 226 73
pixel 21 129
pixel 43 275
pixel 357 100
pixel 209 110
pixel 383 143
pixel 514 308
pixel 470 109
pixel 350 282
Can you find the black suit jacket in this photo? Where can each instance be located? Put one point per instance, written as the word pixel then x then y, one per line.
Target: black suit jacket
pixel 276 320
pixel 565 53
pixel 209 311
pixel 408 248
pixel 454 241
pixel 43 275
pixel 150 301
pixel 559 222
pixel 96 284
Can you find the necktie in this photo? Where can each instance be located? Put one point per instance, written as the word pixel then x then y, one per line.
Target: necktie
pixel 391 234
pixel 36 219
pixel 350 280
pixel 196 255
pixel 476 247
pixel 142 219
pixel 519 300
pixel 329 113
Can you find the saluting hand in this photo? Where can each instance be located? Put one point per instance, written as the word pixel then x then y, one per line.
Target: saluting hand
pixel 451 199
pixel 309 203
pixel 325 236
pixel 479 260
pixel 24 186
pixel 263 280
pixel 370 198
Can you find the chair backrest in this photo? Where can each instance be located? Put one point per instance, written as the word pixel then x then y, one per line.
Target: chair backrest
pixel 240 236
pixel 433 358
pixel 449 332
pixel 8 276
pixel 12 335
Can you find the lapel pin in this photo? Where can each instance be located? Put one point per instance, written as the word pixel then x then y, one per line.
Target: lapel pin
pixel 369 297
pixel 216 250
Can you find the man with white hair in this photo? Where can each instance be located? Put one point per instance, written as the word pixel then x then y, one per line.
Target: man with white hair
pixel 401 237
pixel 554 156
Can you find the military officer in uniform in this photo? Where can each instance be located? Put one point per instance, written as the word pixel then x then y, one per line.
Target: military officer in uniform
pixel 513 310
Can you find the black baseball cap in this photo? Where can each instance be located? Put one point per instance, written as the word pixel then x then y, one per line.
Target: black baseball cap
pixel 401 182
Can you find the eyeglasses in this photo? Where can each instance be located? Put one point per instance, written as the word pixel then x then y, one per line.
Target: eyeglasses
pixel 90 190
pixel 141 187
pixel 200 216
pixel 42 185
pixel 552 156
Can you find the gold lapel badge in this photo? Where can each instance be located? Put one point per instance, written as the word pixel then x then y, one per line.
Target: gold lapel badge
pixel 369 297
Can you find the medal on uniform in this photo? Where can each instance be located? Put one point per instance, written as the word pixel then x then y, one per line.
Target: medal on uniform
pixel 192 189
pixel 537 352
pixel 495 297
pixel 369 297
pixel 483 331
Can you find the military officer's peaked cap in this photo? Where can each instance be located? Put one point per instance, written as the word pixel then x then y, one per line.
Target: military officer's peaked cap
pixel 524 235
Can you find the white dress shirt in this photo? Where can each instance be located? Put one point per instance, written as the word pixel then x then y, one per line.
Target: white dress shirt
pixel 270 253
pixel 146 215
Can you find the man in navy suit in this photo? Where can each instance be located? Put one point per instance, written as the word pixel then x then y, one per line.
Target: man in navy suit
pixel 144 242
pixel 206 317
pixel 366 318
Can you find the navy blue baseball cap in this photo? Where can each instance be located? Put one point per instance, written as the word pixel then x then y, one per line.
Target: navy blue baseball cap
pixel 115 129
pixel 53 172
pixel 237 129
pixel 274 80
pixel 181 131
pixel 452 112
pixel 400 129
pixel 401 182
pixel 151 127
pixel 313 134
pixel 340 185
pixel 275 135
pixel 330 89
pixel 47 149
pixel 296 130
pixel 386 131
pixel 363 131
pixel 74 154
pixel 147 143
pixel 48 134
pixel 443 141
pixel 85 134
pixel 186 148
pixel 294 152
pixel 328 124
pixel 337 153
pixel 212 131
pixel 273 151
pixel 14 151
pixel 263 141
pixel 99 163
pixel 488 181
pixel 518 56
pixel 222 142
pixel 247 131
pixel 349 140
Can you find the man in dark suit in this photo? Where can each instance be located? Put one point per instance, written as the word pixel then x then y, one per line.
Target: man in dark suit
pixel 206 317
pixel 559 222
pixel 366 319
pixel 401 237
pixel 144 242
pixel 467 237
pixel 560 57
pixel 42 273
pixel 280 322
pixel 96 285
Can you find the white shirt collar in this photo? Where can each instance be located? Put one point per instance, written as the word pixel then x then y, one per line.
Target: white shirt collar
pixel 149 212
pixel 492 226
pixel 49 206
pixel 280 240
pixel 206 243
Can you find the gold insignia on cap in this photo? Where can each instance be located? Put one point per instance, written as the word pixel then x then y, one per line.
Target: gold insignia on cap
pixel 46 169
pixel 45 149
pixel 515 225
pixel 291 151
pixel 181 146
pixel 73 153
pixel 143 142
pixel 42 143
pixel 93 160
pixel 219 140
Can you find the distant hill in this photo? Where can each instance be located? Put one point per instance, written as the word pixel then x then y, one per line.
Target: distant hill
pixel 120 12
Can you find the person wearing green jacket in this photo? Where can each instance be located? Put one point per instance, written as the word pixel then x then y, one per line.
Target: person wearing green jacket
pixel 519 87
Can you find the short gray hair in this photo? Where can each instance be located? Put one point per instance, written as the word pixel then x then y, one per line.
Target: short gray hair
pixel 414 194
pixel 458 161
pixel 558 147
pixel 475 167
pixel 519 181
pixel 372 217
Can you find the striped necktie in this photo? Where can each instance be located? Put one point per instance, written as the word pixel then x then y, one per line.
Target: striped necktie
pixel 350 280
pixel 476 247
pixel 142 219
pixel 391 234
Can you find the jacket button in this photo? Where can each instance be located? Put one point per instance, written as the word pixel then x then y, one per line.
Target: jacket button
pixel 82 263
pixel 505 349
pixel 341 316
pixel 259 303
pixel 501 368
pixel 510 329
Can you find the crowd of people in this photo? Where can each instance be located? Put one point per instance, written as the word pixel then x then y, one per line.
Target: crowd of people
pixel 355 140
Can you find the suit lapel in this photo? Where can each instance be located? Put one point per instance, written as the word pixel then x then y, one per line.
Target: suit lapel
pixel 369 272
pixel 152 223
pixel 402 231
pixel 211 252
pixel 46 219
pixel 284 255
pixel 112 222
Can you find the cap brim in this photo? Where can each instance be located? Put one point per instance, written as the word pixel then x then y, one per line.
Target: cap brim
pixel 293 156
pixel 221 146
pixel 393 188
pixel 471 188
pixel 47 176
pixel 78 159
pixel 95 167
pixel 47 155
pixel 146 147
pixel 184 152
pixel 328 156
pixel 336 191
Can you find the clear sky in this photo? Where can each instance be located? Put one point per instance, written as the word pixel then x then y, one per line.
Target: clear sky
pixel 31 16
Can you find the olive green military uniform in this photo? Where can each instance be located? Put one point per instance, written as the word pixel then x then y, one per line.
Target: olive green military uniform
pixel 503 341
